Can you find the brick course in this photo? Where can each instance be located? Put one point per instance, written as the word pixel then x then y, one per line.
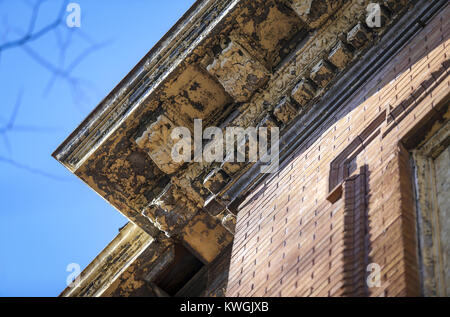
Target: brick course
pixel 291 241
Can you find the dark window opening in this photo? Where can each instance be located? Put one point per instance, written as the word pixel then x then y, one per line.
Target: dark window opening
pixel 179 272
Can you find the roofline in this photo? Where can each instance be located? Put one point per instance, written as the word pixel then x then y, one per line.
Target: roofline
pixel 129 76
pixel 130 238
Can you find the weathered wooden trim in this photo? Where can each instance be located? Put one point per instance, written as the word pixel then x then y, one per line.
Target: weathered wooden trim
pixel 179 42
pixel 111 262
pixel 428 226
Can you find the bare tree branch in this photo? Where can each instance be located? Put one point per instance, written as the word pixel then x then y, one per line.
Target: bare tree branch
pixel 58 70
pixel 61 72
pixel 11 126
pixel 31 35
pixel 32 170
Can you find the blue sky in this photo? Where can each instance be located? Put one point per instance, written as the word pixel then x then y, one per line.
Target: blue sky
pixel 49 218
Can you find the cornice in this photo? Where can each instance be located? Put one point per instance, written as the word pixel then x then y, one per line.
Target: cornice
pixel 148 74
pixel 114 259
pixel 230 63
pixel 200 69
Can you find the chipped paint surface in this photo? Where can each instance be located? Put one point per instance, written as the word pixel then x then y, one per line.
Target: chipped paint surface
pixel 303 92
pixel 340 55
pixel 238 72
pixel 206 236
pixel 285 112
pixel 431 160
pixel 115 258
pixel 158 143
pixel 267 31
pixel 230 63
pixel 315 12
pixel 171 210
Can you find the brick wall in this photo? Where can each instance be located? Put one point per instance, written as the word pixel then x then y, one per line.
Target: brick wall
pixel 344 198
